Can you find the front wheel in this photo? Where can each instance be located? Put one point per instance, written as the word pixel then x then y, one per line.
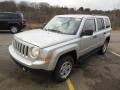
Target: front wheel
pixel 14 29
pixel 63 68
pixel 103 49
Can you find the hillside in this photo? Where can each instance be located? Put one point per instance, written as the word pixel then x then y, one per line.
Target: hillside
pixel 39 13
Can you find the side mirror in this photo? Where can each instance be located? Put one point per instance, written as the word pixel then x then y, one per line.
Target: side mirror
pixel 87 33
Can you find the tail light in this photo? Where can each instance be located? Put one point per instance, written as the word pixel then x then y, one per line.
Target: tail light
pixel 23 21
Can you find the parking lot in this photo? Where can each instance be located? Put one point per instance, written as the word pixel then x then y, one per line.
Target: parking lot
pixel 95 73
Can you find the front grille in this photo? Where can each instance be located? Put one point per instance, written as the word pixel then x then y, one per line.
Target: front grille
pixel 21 48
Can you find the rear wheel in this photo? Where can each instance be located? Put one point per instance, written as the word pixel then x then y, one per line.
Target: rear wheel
pixel 14 29
pixel 63 68
pixel 103 49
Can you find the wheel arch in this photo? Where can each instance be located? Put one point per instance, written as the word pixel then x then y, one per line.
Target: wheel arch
pixel 60 53
pixel 72 53
pixel 14 24
pixel 108 39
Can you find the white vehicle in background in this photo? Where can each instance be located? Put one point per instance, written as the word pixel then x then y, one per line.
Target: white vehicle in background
pixel 61 43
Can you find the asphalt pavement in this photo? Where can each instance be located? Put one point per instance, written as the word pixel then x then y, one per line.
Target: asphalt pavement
pixel 98 72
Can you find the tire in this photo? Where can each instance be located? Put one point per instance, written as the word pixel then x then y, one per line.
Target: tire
pixel 103 49
pixel 63 68
pixel 14 29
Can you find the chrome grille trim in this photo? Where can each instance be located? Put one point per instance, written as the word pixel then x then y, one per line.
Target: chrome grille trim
pixel 21 47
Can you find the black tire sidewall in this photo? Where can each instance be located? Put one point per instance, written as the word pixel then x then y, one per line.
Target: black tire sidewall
pixel 62 60
pixel 102 48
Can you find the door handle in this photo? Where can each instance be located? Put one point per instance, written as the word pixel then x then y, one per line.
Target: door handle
pixel 95 36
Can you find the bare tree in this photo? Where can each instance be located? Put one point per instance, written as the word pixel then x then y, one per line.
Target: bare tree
pixel 42 12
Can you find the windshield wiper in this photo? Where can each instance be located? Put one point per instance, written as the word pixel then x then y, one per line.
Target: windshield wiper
pixel 45 29
pixel 55 31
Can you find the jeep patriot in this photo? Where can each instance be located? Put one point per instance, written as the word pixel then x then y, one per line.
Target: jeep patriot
pixel 61 43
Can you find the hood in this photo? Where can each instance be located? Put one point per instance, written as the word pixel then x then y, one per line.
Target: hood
pixel 43 38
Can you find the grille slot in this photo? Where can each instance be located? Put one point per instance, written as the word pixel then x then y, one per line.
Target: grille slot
pixel 21 48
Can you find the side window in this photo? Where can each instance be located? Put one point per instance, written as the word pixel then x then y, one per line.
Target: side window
pixel 14 16
pixel 3 16
pixel 107 22
pixel 89 25
pixel 100 24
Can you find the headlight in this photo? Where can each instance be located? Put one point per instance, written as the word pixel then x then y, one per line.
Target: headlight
pixel 34 53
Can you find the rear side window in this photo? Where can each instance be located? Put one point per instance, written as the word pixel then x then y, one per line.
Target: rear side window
pixel 89 25
pixel 107 22
pixel 14 16
pixel 100 24
pixel 10 16
pixel 3 16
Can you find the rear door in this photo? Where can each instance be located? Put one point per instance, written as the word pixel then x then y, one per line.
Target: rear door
pixel 14 19
pixel 101 31
pixel 3 21
pixel 107 25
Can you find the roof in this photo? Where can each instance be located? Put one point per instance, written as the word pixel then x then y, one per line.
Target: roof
pixel 80 15
pixel 11 12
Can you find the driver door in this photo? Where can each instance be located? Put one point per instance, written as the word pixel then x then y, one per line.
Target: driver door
pixel 87 41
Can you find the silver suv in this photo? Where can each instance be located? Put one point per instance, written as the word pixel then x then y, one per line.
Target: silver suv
pixel 61 43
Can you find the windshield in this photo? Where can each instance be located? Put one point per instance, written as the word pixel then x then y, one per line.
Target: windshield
pixel 64 25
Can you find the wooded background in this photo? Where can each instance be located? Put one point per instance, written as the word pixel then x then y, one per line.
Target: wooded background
pixel 39 13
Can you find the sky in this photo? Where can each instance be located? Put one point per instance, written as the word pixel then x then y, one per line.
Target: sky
pixel 93 4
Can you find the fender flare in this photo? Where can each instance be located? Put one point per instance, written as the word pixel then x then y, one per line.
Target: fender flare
pixel 59 52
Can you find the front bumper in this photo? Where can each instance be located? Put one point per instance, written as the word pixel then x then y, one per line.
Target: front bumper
pixel 33 64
